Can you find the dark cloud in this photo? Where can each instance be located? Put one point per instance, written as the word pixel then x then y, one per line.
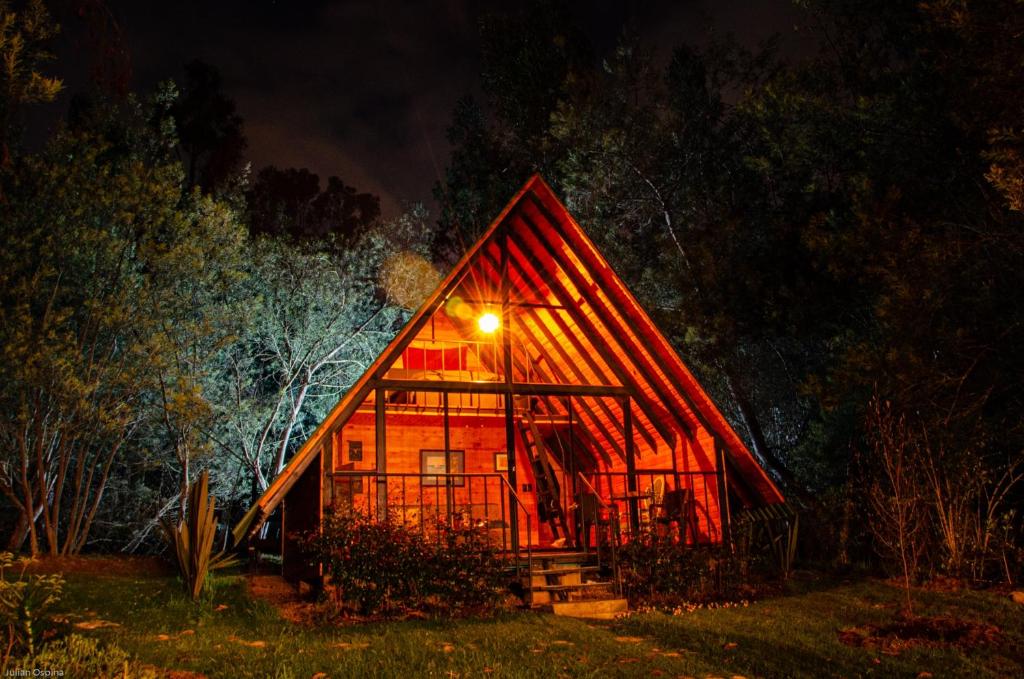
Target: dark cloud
pixel 365 89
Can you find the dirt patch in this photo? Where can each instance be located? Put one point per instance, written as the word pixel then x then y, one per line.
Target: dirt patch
pixel 908 631
pixel 100 565
pixel 277 592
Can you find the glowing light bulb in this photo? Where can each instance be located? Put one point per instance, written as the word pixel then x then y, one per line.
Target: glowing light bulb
pixel 488 322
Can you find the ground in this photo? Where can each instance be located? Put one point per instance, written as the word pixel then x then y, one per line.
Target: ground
pixel 805 633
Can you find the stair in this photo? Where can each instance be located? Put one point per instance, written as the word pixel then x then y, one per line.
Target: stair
pixel 595 609
pixel 573 586
pixel 546 483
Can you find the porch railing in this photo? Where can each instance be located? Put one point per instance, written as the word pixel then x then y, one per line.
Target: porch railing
pixel 645 506
pixel 429 501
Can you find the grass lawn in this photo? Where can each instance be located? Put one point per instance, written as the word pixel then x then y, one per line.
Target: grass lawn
pixel 232 635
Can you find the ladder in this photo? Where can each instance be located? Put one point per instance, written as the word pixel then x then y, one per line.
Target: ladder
pixel 548 503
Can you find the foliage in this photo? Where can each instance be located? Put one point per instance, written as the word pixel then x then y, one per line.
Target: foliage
pixel 656 570
pixel 24 36
pixel 936 513
pixel 897 503
pixel 290 203
pixel 113 300
pixel 209 130
pixel 191 539
pixel 385 567
pixel 24 601
pixel 808 233
pixel 78 656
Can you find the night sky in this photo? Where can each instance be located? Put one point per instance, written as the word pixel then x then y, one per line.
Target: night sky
pixel 365 90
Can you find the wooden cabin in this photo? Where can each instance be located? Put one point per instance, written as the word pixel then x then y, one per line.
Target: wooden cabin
pixel 532 395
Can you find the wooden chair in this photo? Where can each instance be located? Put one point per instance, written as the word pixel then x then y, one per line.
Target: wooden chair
pixel 677 508
pixel 593 515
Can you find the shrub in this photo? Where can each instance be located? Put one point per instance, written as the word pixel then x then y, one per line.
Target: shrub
pixel 23 601
pixel 191 539
pixel 386 567
pixel 658 571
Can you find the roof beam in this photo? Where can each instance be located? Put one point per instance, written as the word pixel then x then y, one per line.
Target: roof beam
pixel 562 377
pixel 520 388
pixel 584 320
pixel 607 353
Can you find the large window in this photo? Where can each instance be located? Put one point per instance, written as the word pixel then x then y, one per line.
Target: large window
pixel 433 462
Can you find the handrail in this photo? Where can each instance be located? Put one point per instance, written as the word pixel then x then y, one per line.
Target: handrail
pixel 529 529
pixel 593 490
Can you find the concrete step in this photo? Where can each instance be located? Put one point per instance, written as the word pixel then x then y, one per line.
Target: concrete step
pixel 599 609
pixel 565 570
pixel 569 587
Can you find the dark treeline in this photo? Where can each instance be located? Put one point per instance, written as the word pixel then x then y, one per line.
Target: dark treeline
pixel 835 246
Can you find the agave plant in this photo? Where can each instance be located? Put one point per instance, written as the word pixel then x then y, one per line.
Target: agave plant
pixel 191 538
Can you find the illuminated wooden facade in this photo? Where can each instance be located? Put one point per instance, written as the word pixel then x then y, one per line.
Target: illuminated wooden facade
pixel 533 345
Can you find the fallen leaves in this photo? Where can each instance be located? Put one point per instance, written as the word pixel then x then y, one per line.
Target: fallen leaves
pixel 250 644
pixel 910 631
pixel 96 624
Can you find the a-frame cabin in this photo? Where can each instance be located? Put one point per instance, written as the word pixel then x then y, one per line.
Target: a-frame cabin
pixel 530 394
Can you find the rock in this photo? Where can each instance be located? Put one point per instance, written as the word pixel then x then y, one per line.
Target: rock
pixel 1018 597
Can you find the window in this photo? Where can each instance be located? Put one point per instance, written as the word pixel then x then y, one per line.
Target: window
pixel 432 462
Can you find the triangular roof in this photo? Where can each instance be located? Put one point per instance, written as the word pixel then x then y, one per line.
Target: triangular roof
pixel 544 236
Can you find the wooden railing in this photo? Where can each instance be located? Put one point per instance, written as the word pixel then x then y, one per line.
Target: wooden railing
pixel 428 501
pixel 697 491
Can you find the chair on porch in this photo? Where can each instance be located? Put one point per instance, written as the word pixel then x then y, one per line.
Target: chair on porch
pixel 677 508
pixel 593 515
pixel 652 502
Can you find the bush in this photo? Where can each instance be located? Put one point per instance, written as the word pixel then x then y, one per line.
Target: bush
pixel 23 601
pixel 386 567
pixel 658 571
pixel 191 539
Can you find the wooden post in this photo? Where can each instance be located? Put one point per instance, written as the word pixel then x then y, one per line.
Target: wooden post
pixel 449 493
pixel 724 517
pixel 506 350
pixel 382 458
pixel 634 501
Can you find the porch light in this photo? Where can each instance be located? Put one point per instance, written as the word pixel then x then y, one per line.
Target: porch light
pixel 488 322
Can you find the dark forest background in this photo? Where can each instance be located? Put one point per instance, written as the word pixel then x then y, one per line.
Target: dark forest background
pixel 835 245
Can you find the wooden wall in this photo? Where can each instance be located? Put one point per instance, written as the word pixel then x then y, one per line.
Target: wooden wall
pixel 479 438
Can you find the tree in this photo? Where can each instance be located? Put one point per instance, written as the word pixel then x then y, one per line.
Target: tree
pixel 209 130
pixel 291 203
pixel 96 318
pixel 316 323
pixel 529 58
pixel 24 35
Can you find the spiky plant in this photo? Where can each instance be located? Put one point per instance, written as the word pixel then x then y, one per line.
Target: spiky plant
pixel 191 539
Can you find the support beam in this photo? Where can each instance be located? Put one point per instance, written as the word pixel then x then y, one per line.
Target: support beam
pixel 634 501
pixel 562 378
pixel 380 440
pixel 724 515
pixel 509 391
pixel 518 388
pixel 585 354
pixel 620 297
